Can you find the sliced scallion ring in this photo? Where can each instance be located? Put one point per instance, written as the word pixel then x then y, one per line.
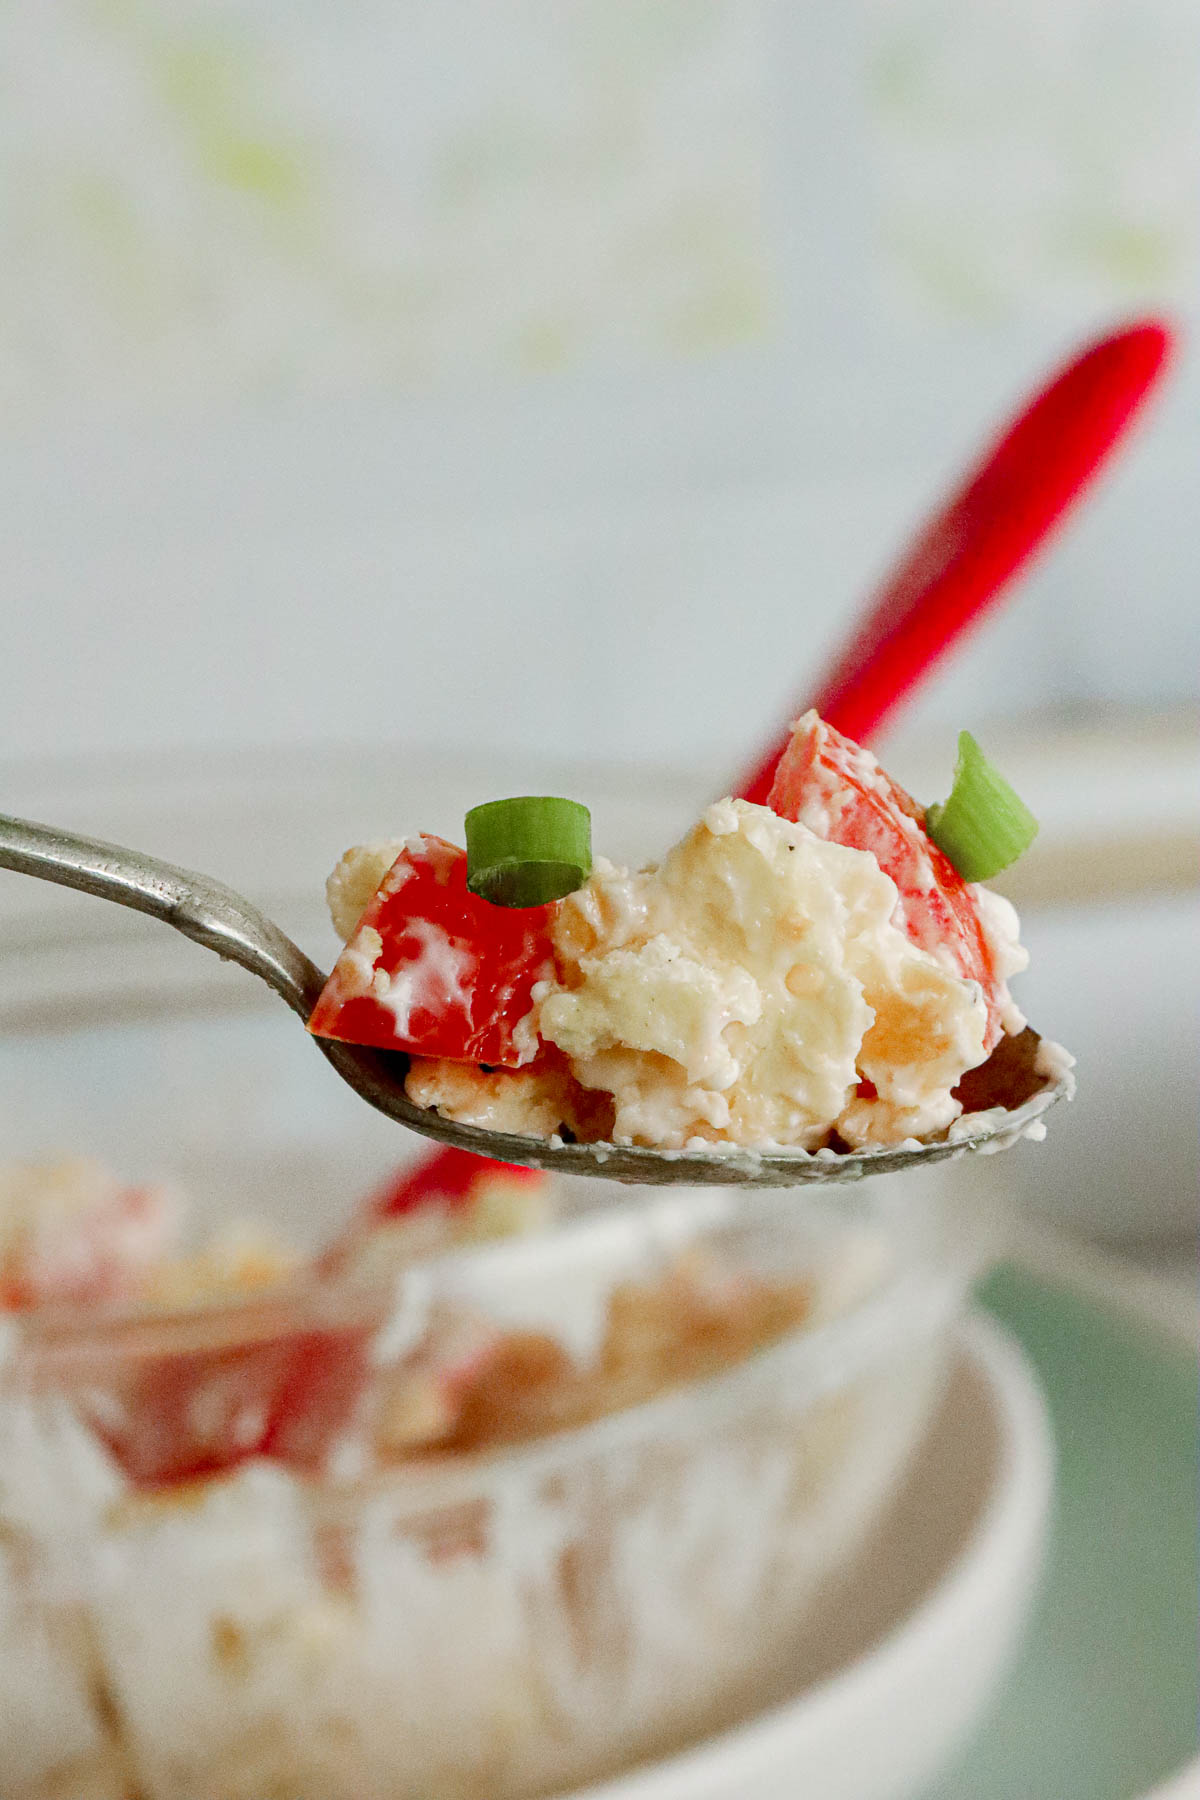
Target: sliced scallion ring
pixel 528 850
pixel 984 825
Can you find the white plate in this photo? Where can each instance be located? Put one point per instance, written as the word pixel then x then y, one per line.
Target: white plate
pixel 903 1658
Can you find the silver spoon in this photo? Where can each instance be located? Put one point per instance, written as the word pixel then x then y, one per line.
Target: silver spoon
pixel 213 916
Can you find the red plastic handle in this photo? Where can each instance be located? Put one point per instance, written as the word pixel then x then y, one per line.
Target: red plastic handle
pixel 1005 510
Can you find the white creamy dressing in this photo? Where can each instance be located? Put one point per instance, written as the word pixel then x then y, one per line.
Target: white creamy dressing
pixel 525 1036
pixel 743 988
pixel 437 976
pixel 1001 931
pixel 737 994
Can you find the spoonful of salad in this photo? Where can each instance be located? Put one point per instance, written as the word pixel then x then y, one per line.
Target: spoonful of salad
pixel 812 987
pixel 807 991
pixel 797 992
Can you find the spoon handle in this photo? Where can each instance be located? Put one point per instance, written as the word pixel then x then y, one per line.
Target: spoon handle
pixel 204 910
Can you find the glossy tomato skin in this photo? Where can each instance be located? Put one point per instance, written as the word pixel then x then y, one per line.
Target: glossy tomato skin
pixel 836 788
pixel 435 970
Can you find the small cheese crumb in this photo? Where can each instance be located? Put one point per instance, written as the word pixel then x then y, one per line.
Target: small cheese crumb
pixel 352 884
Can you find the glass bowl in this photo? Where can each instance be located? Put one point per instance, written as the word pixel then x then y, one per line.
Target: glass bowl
pixel 682 1414
pixel 702 1407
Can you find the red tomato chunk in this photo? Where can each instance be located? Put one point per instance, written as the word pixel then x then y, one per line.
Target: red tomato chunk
pixel 434 970
pixel 827 782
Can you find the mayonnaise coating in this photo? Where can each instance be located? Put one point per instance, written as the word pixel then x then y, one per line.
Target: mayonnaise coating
pixel 744 989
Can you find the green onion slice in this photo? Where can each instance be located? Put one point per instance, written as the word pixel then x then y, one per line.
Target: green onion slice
pixel 984 826
pixel 529 850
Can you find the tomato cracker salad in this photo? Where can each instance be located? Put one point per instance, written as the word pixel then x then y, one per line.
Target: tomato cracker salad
pixel 77 1240
pixel 819 972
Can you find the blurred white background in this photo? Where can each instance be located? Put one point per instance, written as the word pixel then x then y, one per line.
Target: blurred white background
pixel 559 373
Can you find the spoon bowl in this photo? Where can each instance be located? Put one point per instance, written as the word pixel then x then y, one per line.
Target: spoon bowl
pixel 214 916
pixel 719 1166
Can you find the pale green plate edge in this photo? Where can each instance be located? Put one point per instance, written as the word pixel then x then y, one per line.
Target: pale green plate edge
pixel 1101 1704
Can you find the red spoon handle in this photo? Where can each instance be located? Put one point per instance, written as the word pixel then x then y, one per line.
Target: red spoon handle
pixel 1005 510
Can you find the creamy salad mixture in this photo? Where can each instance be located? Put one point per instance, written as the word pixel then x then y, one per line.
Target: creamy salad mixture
pixel 246 1554
pixel 810 973
pixel 468 1375
pixel 72 1234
